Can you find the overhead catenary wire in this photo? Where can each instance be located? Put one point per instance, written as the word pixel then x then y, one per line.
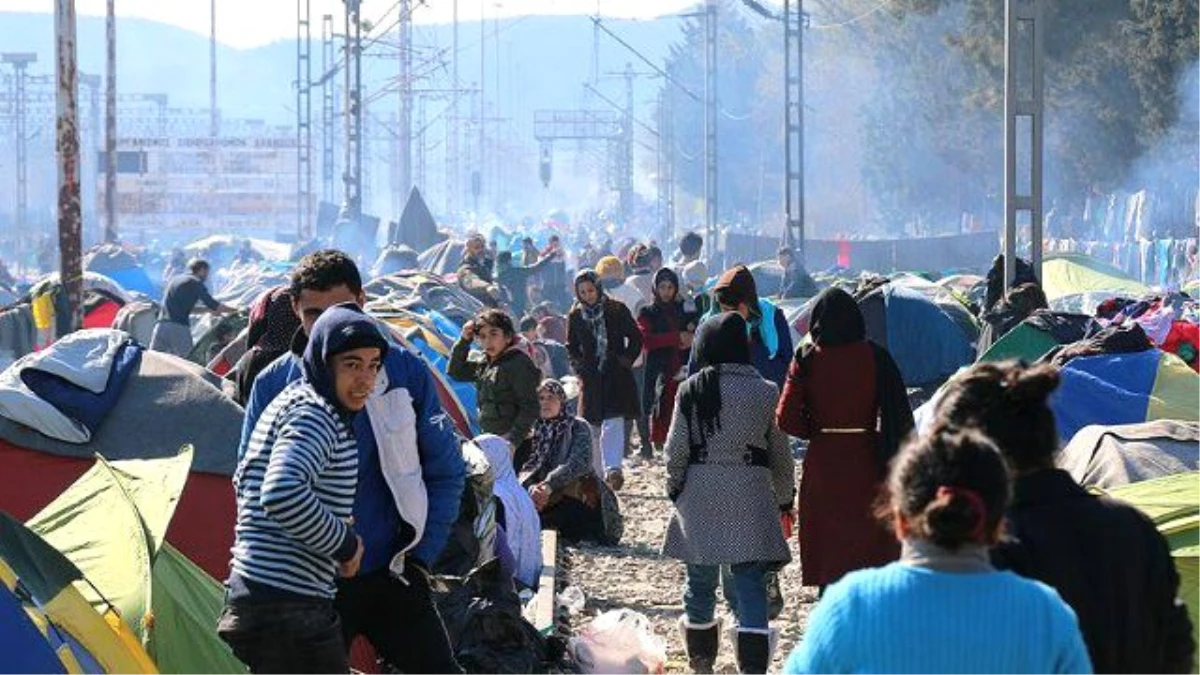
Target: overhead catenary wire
pixel 881 5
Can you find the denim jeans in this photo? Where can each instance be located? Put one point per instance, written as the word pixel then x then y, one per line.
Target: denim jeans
pixel 743 585
pixel 285 636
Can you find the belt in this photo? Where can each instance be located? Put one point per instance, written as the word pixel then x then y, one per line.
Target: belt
pixel 846 431
pixel 751 456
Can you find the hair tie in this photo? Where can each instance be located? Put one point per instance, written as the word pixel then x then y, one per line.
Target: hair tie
pixel 977 503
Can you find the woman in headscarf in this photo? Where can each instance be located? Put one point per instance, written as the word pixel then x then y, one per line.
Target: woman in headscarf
pixel 729 474
pixel 845 396
pixel 603 342
pixel 516 513
pixel 667 330
pixel 559 476
pixel 273 324
pixel 770 336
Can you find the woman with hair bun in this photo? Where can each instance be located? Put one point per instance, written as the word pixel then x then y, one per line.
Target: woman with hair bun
pixel 1107 559
pixel 942 607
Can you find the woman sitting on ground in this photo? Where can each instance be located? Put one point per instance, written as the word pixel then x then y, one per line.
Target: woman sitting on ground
pixel 1104 557
pixel 942 608
pixel 560 477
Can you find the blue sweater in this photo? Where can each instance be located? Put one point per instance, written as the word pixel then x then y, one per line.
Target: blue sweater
pixel 906 619
pixel 376 518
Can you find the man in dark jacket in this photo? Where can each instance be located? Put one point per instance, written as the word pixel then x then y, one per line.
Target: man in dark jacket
pixel 475 273
pixel 514 279
pixel 797 282
pixel 410 481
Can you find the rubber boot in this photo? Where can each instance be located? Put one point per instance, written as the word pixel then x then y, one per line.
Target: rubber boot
pixel 702 643
pixel 753 651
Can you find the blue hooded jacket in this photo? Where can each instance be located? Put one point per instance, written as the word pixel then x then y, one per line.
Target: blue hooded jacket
pixel 376 517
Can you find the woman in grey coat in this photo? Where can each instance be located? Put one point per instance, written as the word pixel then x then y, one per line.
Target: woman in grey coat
pixel 559 476
pixel 730 474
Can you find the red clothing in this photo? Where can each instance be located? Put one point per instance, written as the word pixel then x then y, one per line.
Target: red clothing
pixel 667 360
pixel 840 479
pixel 1184 333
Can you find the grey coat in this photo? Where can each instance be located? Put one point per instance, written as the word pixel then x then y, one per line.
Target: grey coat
pixel 727 508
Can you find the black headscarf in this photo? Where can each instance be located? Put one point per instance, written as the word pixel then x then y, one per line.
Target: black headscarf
pixel 836 319
pixel 720 340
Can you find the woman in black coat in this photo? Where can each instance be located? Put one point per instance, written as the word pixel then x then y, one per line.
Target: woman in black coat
pixel 603 341
pixel 1104 557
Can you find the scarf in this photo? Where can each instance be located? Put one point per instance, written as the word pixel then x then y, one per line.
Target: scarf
pixel 594 315
pixel 522 524
pixel 273 322
pixel 719 341
pixel 548 434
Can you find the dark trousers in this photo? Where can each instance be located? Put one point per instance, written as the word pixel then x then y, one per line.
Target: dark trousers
pixel 398 618
pixel 574 520
pixel 285 636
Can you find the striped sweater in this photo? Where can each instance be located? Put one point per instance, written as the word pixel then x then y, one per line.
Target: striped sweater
pixel 295 494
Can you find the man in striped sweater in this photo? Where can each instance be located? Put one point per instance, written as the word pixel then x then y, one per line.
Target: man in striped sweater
pixel 295 488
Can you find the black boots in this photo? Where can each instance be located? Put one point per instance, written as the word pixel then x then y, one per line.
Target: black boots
pixel 753 651
pixel 702 644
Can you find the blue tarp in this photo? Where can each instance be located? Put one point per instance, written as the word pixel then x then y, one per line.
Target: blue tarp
pixel 1109 389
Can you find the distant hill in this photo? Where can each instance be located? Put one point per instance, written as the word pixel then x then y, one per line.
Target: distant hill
pixel 550 57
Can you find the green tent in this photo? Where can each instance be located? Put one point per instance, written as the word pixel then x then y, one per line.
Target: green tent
pixel 1173 502
pixel 1074 274
pixel 111 523
pixel 1025 342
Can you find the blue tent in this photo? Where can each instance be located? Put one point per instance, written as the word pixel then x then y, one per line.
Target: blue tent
pixel 929 340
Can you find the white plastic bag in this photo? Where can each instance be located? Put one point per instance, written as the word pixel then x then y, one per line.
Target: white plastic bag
pixel 620 642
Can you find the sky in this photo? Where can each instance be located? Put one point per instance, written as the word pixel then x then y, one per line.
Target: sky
pixel 252 23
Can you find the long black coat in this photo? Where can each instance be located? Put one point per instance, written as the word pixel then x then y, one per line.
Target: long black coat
pixel 1109 563
pixel 612 392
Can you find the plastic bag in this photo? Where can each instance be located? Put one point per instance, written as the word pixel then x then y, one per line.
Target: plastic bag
pixel 619 641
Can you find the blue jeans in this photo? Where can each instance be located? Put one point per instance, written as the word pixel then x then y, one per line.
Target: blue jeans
pixel 743 585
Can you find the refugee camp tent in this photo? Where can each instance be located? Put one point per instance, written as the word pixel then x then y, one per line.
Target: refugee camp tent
pixel 240 286
pixel 138 318
pixel 1038 334
pixel 417 227
pixel 1124 388
pixel 1110 456
pixel 165 404
pixel 39 590
pixel 1173 503
pixel 1079 283
pixel 443 257
pixel 121 266
pixel 408 333
pixel 103 298
pixel 926 338
pixel 422 291
pixel 219 249
pixel 112 524
pixel 395 259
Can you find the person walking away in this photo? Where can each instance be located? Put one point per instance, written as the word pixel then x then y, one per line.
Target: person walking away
pixel 554 276
pixel 667 329
pixel 796 282
pixel 173 331
pixel 692 279
pixel 273 326
pixel 410 480
pixel 514 280
pixel 729 475
pixel 564 486
pixel 505 378
pixel 845 397
pixel 690 245
pixel 770 335
pixel 942 607
pixel 475 273
pixel 295 493
pixel 644 263
pixel 1104 557
pixel 603 342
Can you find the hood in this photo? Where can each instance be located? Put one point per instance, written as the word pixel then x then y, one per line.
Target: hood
pixel 340 329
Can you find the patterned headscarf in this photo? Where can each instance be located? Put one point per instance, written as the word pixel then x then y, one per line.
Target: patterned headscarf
pixel 548 434
pixel 594 314
pixel 273 322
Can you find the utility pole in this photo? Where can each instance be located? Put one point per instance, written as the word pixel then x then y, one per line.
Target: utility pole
pixel 405 131
pixel 214 128
pixel 328 87
pixel 70 235
pixel 710 130
pixel 477 174
pixel 352 175
pixel 666 163
pixel 420 144
pixel 793 120
pixel 110 124
pixel 21 61
pixel 1024 26
pixel 625 177
pixel 304 177
pixel 452 121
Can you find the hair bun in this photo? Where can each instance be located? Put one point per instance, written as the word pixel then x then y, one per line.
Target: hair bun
pixel 1032 385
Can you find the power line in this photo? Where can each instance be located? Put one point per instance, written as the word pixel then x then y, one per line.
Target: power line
pixel 653 66
pixel 841 24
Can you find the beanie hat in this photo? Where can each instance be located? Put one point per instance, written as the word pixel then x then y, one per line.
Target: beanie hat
pixel 609 267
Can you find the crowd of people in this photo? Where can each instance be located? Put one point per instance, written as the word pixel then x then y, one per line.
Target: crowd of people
pixel 961 550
